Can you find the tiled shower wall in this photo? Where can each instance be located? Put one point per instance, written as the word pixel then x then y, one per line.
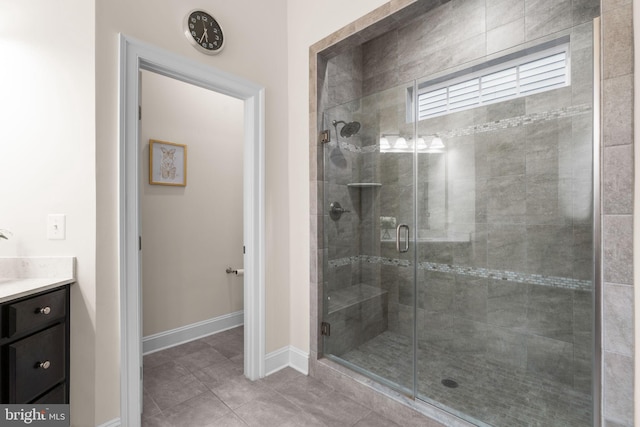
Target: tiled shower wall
pixel 518 22
pixel 617 209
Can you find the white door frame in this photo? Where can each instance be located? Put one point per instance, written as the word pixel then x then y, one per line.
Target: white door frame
pixel 134 56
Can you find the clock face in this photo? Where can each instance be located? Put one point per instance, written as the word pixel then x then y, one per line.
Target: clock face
pixel 204 32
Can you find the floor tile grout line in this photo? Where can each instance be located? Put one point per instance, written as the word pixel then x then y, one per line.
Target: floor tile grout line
pixel 277 386
pixel 163 412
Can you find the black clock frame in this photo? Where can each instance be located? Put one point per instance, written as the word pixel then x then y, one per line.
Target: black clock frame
pixel 207 38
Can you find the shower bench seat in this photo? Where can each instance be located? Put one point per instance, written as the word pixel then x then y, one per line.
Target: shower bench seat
pixel 352 295
pixel 355 314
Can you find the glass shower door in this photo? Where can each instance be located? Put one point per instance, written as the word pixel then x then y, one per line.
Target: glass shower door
pixel 458 245
pixel 505 240
pixel 369 280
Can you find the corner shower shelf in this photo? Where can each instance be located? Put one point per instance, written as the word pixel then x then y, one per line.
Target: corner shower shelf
pixel 364 185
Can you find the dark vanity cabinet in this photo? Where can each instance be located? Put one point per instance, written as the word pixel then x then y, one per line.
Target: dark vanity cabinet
pixel 34 348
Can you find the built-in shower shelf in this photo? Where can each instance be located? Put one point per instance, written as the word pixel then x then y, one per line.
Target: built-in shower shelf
pixel 364 184
pixel 353 295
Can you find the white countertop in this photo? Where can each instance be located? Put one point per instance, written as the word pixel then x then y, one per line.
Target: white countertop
pixel 24 276
pixel 16 288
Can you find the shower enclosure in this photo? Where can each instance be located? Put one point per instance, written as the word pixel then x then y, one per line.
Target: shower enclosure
pixel 459 225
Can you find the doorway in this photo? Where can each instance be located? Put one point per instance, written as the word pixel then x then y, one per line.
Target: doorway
pixel 190 215
pixel 134 57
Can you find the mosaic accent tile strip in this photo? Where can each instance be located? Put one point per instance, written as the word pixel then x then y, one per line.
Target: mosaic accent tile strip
pixel 512 276
pixel 371 259
pixel 341 262
pixel 354 148
pixel 511 122
pixel 527 119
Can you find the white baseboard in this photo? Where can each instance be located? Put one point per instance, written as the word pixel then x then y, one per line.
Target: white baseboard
pixel 112 423
pixel 288 356
pixel 162 340
pixel 299 360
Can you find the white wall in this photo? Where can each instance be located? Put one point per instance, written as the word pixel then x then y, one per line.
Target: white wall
pixel 191 234
pixel 255 49
pixel 308 23
pixel 47 133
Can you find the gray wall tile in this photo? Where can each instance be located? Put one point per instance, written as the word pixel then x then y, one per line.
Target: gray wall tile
pixel 618 318
pixel 583 252
pixel 585 10
pixel 470 298
pixel 507 204
pixel 617 111
pixel 507 247
pixel 618 41
pixel 501 12
pixel 507 348
pixel 507 304
pixel 583 312
pixel 609 423
pixel 543 17
pixel 582 76
pixel 550 250
pixel 505 36
pixel 618 249
pixel 550 359
pixel 618 179
pixel 437 292
pixel 550 314
pixel 618 388
pixel 608 5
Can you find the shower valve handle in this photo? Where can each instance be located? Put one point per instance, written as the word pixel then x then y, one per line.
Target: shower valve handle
pixel 336 211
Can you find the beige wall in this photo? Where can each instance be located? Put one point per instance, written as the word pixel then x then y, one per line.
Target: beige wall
pixel 191 234
pixel 308 22
pixel 254 49
pixel 47 129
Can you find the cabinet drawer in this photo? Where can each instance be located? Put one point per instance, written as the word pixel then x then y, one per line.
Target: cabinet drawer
pixel 36 364
pixel 56 396
pixel 34 312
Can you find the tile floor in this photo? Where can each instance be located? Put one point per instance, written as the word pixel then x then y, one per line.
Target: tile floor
pixel 490 393
pixel 200 384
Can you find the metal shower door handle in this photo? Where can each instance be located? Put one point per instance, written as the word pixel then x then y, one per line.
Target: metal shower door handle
pixel 406 242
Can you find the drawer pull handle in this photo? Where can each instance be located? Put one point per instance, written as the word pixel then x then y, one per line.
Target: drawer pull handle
pixel 45 310
pixel 44 365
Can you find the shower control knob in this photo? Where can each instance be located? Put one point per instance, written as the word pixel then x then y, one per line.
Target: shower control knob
pixel 336 211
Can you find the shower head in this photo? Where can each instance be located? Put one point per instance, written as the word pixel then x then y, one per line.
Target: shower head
pixel 349 129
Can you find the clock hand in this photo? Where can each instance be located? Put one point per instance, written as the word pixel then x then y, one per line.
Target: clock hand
pixel 204 36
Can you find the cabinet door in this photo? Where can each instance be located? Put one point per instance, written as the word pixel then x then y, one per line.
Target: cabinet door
pixel 36 364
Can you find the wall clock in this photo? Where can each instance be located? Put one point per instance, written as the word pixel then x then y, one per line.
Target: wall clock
pixel 204 32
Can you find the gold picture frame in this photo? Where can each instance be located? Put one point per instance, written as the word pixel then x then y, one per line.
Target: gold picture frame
pixel 167 163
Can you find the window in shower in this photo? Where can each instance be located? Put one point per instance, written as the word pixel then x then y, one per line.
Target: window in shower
pixel 505 78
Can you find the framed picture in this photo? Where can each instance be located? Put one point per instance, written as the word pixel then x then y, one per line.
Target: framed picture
pixel 167 163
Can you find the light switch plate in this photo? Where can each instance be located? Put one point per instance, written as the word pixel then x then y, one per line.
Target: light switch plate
pixel 56 227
